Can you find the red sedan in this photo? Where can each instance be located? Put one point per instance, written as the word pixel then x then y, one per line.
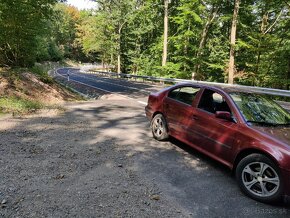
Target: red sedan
pixel 247 132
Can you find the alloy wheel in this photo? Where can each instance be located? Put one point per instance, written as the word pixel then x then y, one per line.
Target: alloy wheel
pixel 260 179
pixel 158 127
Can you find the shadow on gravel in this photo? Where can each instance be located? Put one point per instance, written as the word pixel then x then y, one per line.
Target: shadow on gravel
pixel 76 164
pixel 99 159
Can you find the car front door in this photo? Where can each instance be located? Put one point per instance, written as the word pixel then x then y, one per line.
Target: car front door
pixel 216 135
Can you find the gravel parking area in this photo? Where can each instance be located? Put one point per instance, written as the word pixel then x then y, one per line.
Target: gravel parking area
pixel 65 165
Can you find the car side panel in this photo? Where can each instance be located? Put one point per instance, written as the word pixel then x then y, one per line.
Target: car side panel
pixel 217 136
pixel 177 116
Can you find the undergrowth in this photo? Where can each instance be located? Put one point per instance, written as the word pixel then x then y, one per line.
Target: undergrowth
pixel 18 105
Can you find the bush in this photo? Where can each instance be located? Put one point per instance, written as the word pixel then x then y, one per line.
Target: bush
pixel 42 73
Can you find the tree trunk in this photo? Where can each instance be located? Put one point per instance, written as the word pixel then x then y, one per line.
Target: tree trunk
pixel 263 32
pixel 211 18
pixel 164 56
pixel 112 59
pixel 288 75
pixel 233 43
pixel 119 63
pixel 119 49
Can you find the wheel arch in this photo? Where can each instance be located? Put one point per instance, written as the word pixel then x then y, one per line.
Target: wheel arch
pixel 155 113
pixel 250 151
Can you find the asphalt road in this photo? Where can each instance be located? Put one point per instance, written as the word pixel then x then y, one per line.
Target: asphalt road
pixel 193 181
pixel 131 89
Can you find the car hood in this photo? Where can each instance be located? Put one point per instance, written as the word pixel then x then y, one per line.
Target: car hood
pixel 280 133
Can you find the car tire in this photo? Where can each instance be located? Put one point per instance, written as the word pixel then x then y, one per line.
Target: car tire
pixel 260 178
pixel 159 127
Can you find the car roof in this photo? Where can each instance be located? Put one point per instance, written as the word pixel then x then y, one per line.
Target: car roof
pixel 229 88
pixel 216 87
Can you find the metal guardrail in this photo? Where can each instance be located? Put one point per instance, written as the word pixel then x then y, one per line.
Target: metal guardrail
pixel 268 91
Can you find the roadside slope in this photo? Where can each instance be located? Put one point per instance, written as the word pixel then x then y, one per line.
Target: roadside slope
pixel 22 91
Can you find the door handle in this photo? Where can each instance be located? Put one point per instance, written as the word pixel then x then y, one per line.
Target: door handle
pixel 195 117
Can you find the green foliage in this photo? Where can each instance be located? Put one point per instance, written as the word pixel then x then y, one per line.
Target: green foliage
pixel 54 51
pixel 198 42
pixel 96 36
pixel 263 51
pixel 171 70
pixel 21 23
pixel 63 41
pixel 141 43
pixel 198 39
pixel 42 74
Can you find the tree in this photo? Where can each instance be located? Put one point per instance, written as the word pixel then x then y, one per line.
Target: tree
pixel 64 24
pixel 233 42
pixel 165 35
pixel 211 17
pixel 263 44
pixel 21 24
pixel 116 14
pixel 96 37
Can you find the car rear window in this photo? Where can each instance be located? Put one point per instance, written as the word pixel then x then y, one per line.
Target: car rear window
pixel 184 94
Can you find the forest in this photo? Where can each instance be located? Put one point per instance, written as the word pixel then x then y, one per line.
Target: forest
pixel 236 41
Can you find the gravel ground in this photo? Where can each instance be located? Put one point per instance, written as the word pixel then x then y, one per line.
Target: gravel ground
pixel 77 164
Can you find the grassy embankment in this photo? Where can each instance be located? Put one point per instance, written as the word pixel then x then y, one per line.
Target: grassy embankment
pixel 25 91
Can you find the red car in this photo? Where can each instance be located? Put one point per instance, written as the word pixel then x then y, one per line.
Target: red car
pixel 246 131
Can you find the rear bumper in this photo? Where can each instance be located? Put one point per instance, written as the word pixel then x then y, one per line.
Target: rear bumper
pixel 148 112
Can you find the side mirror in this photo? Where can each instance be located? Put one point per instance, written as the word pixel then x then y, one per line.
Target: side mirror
pixel 225 115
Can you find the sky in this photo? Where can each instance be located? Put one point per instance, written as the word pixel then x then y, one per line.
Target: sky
pixel 82 4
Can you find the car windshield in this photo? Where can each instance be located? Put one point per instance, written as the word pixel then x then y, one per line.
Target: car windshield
pixel 260 110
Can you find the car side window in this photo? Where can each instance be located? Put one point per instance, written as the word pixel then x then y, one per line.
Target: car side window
pixel 174 93
pixel 184 94
pixel 212 101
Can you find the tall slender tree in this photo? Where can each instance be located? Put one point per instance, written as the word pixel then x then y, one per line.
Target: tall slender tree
pixel 233 42
pixel 211 17
pixel 165 34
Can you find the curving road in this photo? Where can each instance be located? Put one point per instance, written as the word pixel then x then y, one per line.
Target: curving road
pixel 130 89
